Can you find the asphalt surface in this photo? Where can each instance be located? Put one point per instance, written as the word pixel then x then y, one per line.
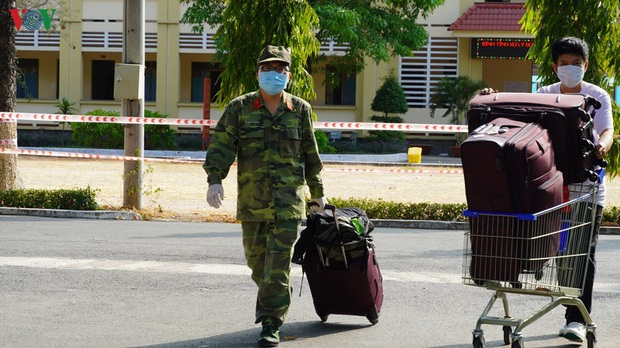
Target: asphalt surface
pixel 120 283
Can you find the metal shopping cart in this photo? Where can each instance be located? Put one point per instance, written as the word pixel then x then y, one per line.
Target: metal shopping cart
pixel 542 254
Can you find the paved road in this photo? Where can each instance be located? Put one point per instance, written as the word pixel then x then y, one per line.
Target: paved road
pixel 93 283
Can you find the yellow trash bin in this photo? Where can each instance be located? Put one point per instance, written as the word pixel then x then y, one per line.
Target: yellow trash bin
pixel 414 155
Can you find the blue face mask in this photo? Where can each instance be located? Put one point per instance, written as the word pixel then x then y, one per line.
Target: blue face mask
pixel 272 82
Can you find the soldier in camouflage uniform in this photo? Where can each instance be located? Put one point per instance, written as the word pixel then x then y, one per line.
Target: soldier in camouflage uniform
pixel 270 133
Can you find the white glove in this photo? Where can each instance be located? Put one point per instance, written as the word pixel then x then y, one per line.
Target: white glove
pixel 215 195
pixel 321 204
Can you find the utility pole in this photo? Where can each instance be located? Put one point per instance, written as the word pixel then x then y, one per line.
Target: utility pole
pixel 133 54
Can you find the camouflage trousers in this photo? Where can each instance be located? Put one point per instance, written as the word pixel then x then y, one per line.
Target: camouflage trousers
pixel 268 248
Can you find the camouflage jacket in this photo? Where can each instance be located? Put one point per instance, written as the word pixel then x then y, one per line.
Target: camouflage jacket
pixel 276 156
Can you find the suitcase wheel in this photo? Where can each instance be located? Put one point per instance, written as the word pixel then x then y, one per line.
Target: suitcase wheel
pixel 322 316
pixel 372 315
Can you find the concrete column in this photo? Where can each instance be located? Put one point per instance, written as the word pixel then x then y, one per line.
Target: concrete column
pixel 168 59
pixel 71 70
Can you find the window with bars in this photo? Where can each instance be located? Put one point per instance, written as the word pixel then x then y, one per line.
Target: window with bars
pixel 421 72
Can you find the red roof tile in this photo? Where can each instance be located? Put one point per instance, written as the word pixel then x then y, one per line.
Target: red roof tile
pixel 491 17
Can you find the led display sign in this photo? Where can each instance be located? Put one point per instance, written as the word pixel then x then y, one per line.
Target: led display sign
pixel 500 48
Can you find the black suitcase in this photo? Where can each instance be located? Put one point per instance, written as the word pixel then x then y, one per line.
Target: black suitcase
pixel 509 167
pixel 337 254
pixel 568 117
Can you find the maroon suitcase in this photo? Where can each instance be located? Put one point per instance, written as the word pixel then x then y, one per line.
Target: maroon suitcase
pixel 566 116
pixel 354 288
pixel 509 167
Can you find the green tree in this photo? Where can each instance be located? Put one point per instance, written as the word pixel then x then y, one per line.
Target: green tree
pixel 8 88
pixel 377 29
pixel 594 21
pixel 245 27
pixel 389 99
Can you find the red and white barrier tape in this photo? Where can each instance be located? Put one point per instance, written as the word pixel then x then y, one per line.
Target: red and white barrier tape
pixel 396 171
pixel 149 159
pixel 104 119
pixel 4 142
pixel 410 127
pixel 91 156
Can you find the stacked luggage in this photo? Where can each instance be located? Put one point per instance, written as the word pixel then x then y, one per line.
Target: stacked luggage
pixel 521 150
pixel 337 254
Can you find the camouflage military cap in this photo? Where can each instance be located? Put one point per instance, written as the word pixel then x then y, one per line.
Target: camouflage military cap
pixel 274 54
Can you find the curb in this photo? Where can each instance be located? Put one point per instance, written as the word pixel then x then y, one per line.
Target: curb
pixel 72 214
pixel 421 224
pixel 126 215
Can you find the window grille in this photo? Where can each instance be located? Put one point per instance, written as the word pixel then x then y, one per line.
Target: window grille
pixel 421 72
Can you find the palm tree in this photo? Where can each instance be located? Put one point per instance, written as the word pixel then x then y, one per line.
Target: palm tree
pixel 454 94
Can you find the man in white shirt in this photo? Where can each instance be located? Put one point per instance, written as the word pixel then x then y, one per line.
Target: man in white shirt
pixel 570 61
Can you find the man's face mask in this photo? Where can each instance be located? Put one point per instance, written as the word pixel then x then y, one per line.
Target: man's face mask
pixel 272 82
pixel 570 75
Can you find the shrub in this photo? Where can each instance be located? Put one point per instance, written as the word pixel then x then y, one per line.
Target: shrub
pixel 385 135
pixel 379 209
pixel 158 137
pixel 370 146
pixel 75 199
pixel 111 135
pixel 98 135
pixel 611 215
pixel 323 142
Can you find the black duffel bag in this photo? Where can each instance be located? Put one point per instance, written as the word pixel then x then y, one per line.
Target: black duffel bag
pixel 339 234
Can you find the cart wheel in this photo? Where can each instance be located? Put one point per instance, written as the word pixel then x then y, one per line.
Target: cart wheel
pixel 591 337
pixel 507 334
pixel 518 343
pixel 479 342
pixel 372 315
